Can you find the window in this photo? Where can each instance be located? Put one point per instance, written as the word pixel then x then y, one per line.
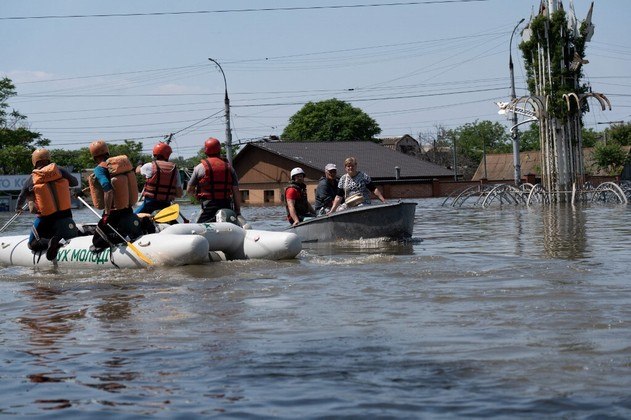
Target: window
pixel 245 196
pixel 268 196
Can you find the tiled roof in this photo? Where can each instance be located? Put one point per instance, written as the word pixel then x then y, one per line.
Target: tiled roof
pixel 376 160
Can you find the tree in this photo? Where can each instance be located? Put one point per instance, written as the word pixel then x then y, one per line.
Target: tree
pixel 16 141
pixel 610 157
pixel 437 147
pixel 330 120
pixel 529 138
pixel 590 137
pixel 619 133
pixel 475 138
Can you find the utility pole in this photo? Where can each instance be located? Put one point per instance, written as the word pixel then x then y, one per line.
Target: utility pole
pixel 515 131
pixel 227 114
pixel 455 159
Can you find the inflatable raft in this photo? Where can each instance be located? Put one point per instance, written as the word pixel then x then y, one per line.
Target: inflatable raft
pixel 160 249
pixel 173 245
pixel 227 241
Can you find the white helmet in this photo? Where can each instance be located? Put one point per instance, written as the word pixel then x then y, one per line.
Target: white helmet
pixel 296 171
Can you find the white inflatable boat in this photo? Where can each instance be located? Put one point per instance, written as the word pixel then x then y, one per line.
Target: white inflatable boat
pixel 160 249
pixel 228 241
pixel 173 245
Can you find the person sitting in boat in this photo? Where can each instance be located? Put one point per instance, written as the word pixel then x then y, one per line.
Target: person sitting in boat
pixel 48 187
pixel 354 183
pixel 296 203
pixel 214 183
pixel 163 183
pixel 114 189
pixel 326 190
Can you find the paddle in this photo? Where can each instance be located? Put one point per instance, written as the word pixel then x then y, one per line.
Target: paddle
pixel 15 216
pixel 129 244
pixel 167 214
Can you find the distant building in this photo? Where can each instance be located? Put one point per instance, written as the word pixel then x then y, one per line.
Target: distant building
pixel 500 167
pixel 405 144
pixel 263 168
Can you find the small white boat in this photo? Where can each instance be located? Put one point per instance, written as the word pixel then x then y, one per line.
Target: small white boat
pixel 161 249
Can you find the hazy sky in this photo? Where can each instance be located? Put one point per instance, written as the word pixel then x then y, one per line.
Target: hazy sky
pixel 140 69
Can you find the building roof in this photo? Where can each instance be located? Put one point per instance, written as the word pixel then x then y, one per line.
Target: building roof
pixel 500 166
pixel 377 161
pixel 393 141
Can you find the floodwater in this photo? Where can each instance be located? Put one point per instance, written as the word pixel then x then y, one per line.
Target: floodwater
pixel 504 313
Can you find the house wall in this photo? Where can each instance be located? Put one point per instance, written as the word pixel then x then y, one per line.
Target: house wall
pixel 391 190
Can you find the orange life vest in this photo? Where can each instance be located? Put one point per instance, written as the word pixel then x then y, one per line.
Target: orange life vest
pixel 216 184
pixel 124 184
pixel 51 190
pixel 161 185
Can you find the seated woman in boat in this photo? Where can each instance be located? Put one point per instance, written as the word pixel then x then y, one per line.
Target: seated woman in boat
pixel 48 187
pixel 353 184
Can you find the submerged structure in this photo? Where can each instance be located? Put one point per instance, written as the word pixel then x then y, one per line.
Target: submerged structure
pixel 553 47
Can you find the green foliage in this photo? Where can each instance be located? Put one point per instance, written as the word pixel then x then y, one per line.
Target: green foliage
pixel 15 160
pixel 70 159
pixel 16 141
pixel 529 139
pixel 619 133
pixel 330 120
pixel 475 138
pixel 610 157
pixel 551 37
pixel 590 137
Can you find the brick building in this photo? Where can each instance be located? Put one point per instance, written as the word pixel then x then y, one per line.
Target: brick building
pixel 263 168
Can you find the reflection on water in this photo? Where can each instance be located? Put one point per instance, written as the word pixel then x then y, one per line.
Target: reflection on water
pixel 363 246
pixel 47 321
pixel 509 313
pixel 564 231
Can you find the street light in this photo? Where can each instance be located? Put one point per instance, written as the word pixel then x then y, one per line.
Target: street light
pixel 226 102
pixel 515 132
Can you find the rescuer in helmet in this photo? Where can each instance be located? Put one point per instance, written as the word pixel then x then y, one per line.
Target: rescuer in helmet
pixel 114 189
pixel 296 203
pixel 163 183
pixel 214 182
pixel 48 187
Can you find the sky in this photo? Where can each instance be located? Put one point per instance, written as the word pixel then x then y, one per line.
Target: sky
pixel 139 70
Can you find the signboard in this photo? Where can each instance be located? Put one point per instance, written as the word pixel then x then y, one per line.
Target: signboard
pixel 15 182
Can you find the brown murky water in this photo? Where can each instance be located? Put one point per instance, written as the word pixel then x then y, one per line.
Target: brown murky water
pixel 494 313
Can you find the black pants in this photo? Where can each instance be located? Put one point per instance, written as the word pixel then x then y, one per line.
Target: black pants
pixel 58 224
pixel 124 222
pixel 210 209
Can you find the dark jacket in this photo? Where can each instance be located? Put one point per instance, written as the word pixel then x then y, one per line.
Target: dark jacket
pixel 325 194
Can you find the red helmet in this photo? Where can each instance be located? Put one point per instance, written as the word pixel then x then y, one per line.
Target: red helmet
pixel 212 147
pixel 163 150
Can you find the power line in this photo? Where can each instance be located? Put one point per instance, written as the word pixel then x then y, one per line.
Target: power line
pixel 248 10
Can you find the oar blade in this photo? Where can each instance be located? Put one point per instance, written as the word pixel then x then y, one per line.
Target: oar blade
pixel 140 254
pixel 167 214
